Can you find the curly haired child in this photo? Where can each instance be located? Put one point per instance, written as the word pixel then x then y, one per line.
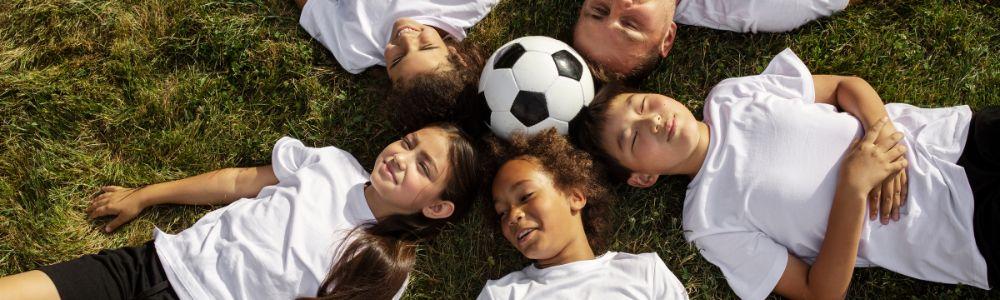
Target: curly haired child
pixel 283 227
pixel 418 41
pixel 551 203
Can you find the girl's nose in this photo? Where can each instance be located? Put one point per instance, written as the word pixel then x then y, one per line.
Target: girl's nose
pixel 399 161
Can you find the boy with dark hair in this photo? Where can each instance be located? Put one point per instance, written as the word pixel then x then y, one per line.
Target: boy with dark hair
pixel 765 203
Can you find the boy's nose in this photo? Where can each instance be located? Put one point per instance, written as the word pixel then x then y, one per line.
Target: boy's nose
pixel 655 123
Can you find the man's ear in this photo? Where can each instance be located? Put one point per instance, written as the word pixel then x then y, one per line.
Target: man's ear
pixel 461 59
pixel 439 210
pixel 577 200
pixel 642 180
pixel 668 39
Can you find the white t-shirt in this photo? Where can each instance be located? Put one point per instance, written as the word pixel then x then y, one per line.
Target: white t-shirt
pixel 768 181
pixel 357 31
pixel 754 15
pixel 279 245
pixel 613 275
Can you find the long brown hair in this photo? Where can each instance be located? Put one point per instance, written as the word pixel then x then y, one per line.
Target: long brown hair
pixel 378 260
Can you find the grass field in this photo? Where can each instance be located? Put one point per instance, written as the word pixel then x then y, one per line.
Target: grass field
pixel 136 92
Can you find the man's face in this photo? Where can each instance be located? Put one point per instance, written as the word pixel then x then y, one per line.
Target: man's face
pixel 621 34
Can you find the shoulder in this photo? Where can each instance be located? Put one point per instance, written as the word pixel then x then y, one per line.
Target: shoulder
pixel 786 75
pixel 642 262
pixel 293 152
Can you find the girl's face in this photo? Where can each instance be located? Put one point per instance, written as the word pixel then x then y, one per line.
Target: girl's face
pixel 414 49
pixel 649 133
pixel 410 174
pixel 537 218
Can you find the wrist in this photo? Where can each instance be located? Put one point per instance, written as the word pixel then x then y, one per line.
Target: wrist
pixel 143 197
pixel 850 190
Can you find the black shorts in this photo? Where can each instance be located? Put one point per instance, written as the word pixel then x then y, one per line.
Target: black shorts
pixel 981 160
pixel 124 273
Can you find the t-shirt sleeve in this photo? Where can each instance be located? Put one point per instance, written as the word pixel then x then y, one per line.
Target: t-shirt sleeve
pixel 486 294
pixel 289 155
pixel 787 76
pixel 751 261
pixel 665 284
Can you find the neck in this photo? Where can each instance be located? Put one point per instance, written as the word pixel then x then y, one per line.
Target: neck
pixel 694 162
pixel 577 250
pixel 375 201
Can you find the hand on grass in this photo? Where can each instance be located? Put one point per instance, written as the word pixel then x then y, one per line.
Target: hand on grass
pixel 868 164
pixel 123 203
pixel 885 199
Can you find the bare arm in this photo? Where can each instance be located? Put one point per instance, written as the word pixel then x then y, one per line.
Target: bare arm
pixel 855 96
pixel 867 163
pixel 217 187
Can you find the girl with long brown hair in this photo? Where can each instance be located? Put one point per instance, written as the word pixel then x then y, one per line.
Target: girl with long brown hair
pixel 314 223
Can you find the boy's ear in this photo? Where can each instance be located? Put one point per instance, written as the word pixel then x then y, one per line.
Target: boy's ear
pixel 642 180
pixel 577 200
pixel 461 59
pixel 439 210
pixel 668 39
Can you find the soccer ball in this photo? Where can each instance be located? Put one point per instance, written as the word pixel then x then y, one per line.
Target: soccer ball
pixel 534 83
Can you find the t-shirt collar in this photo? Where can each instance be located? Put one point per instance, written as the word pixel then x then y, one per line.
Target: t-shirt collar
pixel 569 269
pixel 357 207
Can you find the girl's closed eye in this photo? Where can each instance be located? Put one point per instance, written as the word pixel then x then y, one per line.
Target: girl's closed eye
pixel 526 197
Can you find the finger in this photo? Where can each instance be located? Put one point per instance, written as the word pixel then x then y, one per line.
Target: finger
pixel 873 204
pixel 896 202
pixel 886 201
pixel 110 188
pixel 896 153
pixel 904 187
pixel 891 140
pixel 874 130
pixel 898 165
pixel 118 221
pixel 93 205
pixel 103 211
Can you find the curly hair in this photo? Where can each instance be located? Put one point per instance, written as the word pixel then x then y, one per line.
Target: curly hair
pixel 568 167
pixel 585 129
pixel 437 96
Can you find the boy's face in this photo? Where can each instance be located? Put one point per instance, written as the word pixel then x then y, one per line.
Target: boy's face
pixel 535 217
pixel 411 173
pixel 649 133
pixel 414 49
pixel 621 34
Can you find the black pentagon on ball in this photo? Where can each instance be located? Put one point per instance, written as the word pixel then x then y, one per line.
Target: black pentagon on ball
pixel 529 108
pixel 568 65
pixel 509 56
